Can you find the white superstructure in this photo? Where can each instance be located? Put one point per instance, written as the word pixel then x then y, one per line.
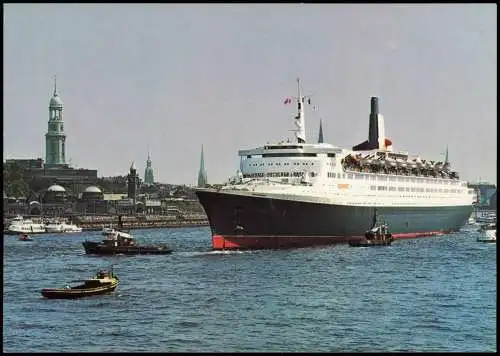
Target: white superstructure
pixel 60 226
pixel 324 173
pixel 19 225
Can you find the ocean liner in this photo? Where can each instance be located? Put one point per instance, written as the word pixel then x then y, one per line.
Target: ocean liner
pixel 298 194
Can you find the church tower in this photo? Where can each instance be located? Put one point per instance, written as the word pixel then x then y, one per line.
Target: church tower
pixel 202 173
pixel 133 182
pixel 148 172
pixel 55 138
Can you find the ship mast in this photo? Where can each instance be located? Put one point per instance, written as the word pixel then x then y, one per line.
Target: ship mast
pixel 300 133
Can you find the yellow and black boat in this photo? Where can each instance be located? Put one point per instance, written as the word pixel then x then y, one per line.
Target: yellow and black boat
pixel 102 283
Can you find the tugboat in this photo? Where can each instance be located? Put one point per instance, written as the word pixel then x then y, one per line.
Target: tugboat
pixel 102 283
pixel 376 236
pixel 121 242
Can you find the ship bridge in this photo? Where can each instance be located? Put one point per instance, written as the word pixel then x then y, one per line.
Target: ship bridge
pixel 291 150
pixel 289 160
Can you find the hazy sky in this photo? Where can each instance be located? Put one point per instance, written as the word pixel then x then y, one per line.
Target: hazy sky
pixel 174 77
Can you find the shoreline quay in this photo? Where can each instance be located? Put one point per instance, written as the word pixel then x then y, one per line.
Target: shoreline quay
pixel 138 226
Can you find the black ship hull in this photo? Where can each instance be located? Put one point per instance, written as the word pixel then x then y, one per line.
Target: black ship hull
pixel 97 248
pixel 244 221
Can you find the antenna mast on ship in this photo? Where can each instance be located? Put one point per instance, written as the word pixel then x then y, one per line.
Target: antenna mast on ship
pixel 300 133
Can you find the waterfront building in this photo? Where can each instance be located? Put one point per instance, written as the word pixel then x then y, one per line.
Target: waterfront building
pixel 92 201
pixel 202 173
pixel 55 194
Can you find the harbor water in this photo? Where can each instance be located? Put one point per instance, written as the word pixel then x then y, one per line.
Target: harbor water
pixel 427 294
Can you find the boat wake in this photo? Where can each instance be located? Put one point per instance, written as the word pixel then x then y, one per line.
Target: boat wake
pixel 212 253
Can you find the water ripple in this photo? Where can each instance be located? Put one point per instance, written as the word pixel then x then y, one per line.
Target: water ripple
pixel 431 294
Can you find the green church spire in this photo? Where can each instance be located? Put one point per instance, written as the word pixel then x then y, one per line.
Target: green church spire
pixel 148 172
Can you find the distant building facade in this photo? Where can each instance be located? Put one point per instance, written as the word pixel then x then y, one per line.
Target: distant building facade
pixel 27 163
pixel 486 194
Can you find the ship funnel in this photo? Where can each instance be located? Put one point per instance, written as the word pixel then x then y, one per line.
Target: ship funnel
pixel 376 137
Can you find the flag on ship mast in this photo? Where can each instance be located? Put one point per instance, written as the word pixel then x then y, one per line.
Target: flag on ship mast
pixel 287 101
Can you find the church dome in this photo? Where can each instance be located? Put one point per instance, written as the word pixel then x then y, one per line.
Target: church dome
pixel 56 188
pixel 92 189
pixel 56 102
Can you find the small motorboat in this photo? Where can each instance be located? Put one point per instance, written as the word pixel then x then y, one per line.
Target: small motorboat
pixel 25 237
pixel 102 283
pixel 490 233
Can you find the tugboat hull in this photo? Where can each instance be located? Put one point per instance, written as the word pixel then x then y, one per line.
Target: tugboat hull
pixel 96 248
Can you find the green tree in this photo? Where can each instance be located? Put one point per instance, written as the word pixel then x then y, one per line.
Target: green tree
pixel 13 181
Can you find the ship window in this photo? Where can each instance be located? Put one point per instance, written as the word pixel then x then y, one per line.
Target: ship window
pixel 401 189
pixel 331 154
pixel 281 147
pixel 392 188
pixel 249 156
pixel 292 154
pixel 373 187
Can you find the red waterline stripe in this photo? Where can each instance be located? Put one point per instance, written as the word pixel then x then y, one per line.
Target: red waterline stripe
pixel 220 242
